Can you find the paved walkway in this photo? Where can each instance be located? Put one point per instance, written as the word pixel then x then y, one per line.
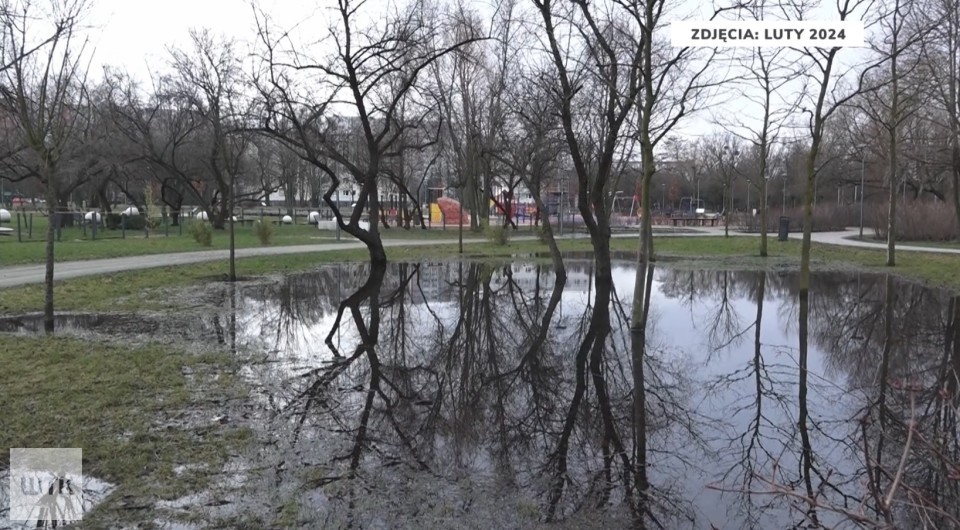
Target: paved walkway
pixel 842 238
pixel 26 274
pixel 64 270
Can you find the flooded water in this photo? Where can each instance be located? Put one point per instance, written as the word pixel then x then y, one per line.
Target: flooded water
pixel 470 395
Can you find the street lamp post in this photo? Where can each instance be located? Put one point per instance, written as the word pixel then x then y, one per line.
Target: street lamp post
pixel 663 197
pixel 696 175
pixel 863 163
pixel 783 203
pixel 560 206
pixel 730 154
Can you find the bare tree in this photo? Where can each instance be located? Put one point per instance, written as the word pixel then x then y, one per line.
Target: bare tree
pixel 208 80
pixel 532 146
pixel 941 54
pixel 892 106
pixel 469 86
pixel 375 71
pixel 768 83
pixel 44 98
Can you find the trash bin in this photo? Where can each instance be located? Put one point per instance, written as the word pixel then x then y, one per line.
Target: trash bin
pixel 784 231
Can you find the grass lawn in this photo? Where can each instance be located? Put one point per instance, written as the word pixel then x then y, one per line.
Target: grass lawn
pixel 126 408
pixel 75 244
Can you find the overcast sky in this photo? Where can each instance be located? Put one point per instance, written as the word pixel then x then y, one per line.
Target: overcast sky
pixel 133 34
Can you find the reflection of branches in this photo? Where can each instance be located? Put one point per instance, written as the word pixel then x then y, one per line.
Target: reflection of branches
pixel 475 374
pixel 884 498
pixel 724 328
pixel 752 440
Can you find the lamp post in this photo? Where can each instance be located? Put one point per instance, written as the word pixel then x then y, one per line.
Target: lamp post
pixel 696 175
pixel 730 154
pixel 863 163
pixel 783 203
pixel 663 197
pixel 563 183
pixel 698 194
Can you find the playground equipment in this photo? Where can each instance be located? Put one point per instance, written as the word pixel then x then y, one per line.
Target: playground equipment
pixel 450 209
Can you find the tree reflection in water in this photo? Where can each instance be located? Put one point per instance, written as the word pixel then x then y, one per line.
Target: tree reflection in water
pixel 502 395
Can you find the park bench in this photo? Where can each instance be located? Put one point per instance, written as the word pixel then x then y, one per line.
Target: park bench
pixel 695 221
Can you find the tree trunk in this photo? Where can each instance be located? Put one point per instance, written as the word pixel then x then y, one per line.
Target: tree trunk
pixel 558 267
pixel 233 243
pixel 893 129
pixel 728 205
pixel 956 176
pixel 102 201
pixel 53 221
pixel 763 209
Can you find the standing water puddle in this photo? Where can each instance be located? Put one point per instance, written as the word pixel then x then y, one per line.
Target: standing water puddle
pixel 459 394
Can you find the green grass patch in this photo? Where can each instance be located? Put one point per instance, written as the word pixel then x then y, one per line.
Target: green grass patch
pixel 75 245
pixel 123 406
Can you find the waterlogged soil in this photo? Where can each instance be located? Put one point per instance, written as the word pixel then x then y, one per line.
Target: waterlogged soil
pixel 463 413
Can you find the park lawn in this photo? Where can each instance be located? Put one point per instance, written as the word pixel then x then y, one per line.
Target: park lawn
pixel 132 410
pixel 75 244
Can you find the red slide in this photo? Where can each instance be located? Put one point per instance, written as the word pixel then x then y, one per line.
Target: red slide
pixel 451 211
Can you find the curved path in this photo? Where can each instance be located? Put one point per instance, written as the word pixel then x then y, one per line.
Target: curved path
pixel 64 270
pixel 26 274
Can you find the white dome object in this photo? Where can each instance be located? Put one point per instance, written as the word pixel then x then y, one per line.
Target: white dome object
pixel 313 217
pixel 133 210
pixel 92 217
pixel 4 216
pixel 202 216
pixel 286 219
pixel 234 218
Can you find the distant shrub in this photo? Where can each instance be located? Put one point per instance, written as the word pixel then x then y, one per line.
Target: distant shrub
pixel 828 217
pixel 201 231
pixel 498 235
pixel 264 232
pixel 918 221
